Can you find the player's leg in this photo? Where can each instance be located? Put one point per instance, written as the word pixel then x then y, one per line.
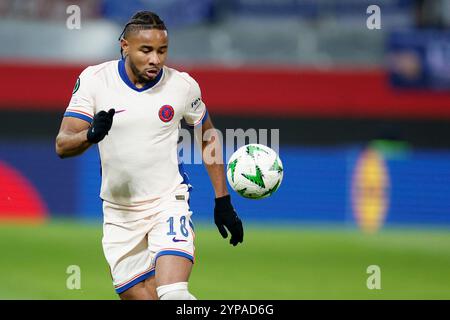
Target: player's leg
pixel 172 276
pixel 140 291
pixel 145 290
pixel 150 286
pixel 171 240
pixel 125 245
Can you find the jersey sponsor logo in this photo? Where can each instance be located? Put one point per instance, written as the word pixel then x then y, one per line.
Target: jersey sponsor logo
pixel 178 240
pixel 196 103
pixel 166 113
pixel 77 86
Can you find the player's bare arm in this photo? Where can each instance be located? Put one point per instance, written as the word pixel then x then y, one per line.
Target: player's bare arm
pixel 72 137
pixel 225 217
pixel 215 168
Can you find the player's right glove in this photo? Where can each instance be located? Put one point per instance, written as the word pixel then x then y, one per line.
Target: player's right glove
pixel 100 126
pixel 225 216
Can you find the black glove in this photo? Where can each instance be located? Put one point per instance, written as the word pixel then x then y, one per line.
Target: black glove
pixel 225 216
pixel 100 126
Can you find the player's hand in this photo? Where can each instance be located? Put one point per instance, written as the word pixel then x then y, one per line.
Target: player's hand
pixel 100 126
pixel 225 216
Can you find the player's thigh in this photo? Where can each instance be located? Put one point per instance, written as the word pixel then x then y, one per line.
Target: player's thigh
pixel 172 269
pixel 125 246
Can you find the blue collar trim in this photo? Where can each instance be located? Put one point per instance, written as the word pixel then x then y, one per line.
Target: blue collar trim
pixel 124 76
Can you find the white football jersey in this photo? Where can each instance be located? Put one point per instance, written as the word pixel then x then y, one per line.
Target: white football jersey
pixel 139 155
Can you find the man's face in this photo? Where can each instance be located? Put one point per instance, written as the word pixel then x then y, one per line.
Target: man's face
pixel 146 51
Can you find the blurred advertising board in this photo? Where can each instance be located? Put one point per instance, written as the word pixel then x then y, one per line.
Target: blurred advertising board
pixel 419 59
pixel 364 186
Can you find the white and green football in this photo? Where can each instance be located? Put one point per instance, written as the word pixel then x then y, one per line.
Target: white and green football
pixel 255 171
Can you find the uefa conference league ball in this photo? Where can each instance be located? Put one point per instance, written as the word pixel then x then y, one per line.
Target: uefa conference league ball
pixel 255 171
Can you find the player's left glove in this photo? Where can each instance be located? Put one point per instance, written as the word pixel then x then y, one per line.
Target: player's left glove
pixel 100 126
pixel 225 216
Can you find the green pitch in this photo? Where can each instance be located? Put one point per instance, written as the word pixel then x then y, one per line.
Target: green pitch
pixel 274 263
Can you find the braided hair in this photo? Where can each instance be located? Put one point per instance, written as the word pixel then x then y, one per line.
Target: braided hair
pixel 141 20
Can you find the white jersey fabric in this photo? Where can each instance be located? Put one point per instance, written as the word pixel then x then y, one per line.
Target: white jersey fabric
pixel 139 155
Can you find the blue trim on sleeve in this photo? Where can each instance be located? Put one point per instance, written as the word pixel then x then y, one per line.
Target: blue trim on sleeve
pixel 124 76
pixel 78 115
pixel 136 281
pixel 205 117
pixel 174 253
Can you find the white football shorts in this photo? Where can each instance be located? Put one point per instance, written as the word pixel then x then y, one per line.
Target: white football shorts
pixel 132 247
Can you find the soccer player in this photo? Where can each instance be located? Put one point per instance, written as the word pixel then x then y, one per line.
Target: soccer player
pixel 132 109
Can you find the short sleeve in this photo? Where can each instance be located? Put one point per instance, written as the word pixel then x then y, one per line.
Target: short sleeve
pixel 81 104
pixel 195 109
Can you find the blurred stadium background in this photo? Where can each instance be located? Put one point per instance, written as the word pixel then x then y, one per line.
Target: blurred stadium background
pixel 364 120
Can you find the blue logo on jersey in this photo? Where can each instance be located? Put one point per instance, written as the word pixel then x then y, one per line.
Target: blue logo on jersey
pixel 178 240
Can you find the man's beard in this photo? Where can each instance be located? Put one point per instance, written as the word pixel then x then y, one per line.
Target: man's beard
pixel 140 76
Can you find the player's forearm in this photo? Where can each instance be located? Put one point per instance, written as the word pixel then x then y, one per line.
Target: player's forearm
pixel 217 176
pixel 71 144
pixel 213 160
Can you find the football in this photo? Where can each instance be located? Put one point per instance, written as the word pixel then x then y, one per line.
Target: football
pixel 255 171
